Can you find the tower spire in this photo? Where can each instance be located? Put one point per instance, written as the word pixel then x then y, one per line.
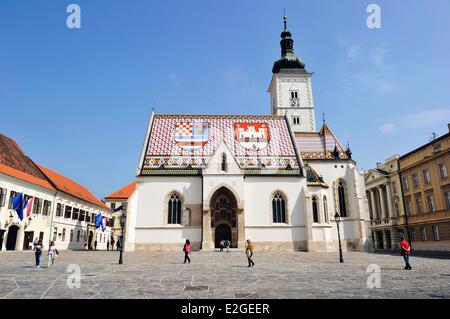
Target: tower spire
pixel 288 59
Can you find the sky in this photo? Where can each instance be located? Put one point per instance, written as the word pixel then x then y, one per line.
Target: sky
pixel 78 100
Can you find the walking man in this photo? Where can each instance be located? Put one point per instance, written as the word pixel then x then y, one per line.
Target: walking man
pixel 406 251
pixel 249 251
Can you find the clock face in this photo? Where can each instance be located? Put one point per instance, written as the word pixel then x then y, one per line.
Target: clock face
pixel 294 102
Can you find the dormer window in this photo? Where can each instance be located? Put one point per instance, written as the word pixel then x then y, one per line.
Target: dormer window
pixel 294 100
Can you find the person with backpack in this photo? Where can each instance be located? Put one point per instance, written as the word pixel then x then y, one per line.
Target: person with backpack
pixel 406 251
pixel 38 252
pixel 227 245
pixel 249 252
pixel 187 250
pixel 52 254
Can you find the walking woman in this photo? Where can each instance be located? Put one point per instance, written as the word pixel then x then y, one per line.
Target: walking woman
pixel 52 253
pixel 249 252
pixel 187 250
pixel 38 253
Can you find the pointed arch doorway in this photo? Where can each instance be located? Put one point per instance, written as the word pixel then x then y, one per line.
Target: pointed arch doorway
pixel 222 219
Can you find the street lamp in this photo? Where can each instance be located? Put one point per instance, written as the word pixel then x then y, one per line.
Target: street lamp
pixel 122 219
pixel 337 218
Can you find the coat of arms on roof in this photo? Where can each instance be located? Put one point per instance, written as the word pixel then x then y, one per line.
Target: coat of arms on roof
pixel 252 136
pixel 191 136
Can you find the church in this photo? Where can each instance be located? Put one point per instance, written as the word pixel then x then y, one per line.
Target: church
pixel 274 179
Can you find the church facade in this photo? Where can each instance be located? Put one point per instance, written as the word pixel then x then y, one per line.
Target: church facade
pixel 273 179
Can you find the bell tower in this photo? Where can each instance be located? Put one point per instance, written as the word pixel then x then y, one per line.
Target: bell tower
pixel 290 89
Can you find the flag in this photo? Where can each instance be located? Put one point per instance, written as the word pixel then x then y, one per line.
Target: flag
pixel 28 207
pixel 18 204
pixel 118 208
pixel 98 220
pixel 104 223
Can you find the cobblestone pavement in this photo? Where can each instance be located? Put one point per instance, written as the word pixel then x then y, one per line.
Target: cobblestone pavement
pixel 221 275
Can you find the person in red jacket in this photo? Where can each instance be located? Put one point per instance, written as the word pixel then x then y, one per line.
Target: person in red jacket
pixel 406 251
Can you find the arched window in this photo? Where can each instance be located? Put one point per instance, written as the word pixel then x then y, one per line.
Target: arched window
pixel 279 208
pixel 315 210
pixel 325 209
pixel 341 196
pixel 174 211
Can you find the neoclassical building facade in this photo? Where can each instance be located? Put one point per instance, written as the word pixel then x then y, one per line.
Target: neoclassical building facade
pixel 273 178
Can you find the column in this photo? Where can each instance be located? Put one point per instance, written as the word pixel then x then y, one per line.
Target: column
pixel 390 212
pixel 373 204
pixel 382 202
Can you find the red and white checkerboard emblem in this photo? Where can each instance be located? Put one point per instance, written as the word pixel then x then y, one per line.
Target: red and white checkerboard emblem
pixel 252 136
pixel 191 135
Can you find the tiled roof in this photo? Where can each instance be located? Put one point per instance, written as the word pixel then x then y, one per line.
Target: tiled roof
pixel 70 187
pixel 319 145
pixel 14 163
pixel 123 193
pixel 187 142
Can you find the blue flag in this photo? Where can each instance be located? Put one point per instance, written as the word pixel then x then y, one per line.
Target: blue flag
pixel 98 220
pixel 18 205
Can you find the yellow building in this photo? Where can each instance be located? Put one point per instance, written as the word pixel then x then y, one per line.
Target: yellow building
pixel 426 195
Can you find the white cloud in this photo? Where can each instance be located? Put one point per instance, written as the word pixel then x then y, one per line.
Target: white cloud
pixel 387 128
pixel 427 117
pixel 174 79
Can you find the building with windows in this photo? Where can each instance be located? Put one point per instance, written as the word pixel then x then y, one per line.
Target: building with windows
pixel 114 201
pixel 426 194
pixel 383 191
pixel 63 210
pixel 272 178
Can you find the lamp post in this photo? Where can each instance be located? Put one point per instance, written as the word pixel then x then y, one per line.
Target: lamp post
pixel 337 218
pixel 123 219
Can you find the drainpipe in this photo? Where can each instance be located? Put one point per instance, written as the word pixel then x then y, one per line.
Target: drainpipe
pixel 53 214
pixel 404 210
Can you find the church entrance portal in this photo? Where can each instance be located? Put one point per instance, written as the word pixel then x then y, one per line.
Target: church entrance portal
pixel 224 217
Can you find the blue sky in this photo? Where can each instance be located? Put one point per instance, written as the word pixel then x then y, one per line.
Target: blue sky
pixel 78 100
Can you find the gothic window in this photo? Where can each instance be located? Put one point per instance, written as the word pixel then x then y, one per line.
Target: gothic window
pixel 325 209
pixel 296 120
pixel 342 203
pixel 315 210
pixel 224 162
pixel 279 208
pixel 174 210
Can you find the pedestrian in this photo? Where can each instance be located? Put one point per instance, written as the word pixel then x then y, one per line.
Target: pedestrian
pixel 35 242
pixel 112 243
pixel 406 251
pixel 187 250
pixel 38 253
pixel 227 245
pixel 95 244
pixel 249 251
pixel 118 244
pixel 221 245
pixel 52 254
pixel 107 245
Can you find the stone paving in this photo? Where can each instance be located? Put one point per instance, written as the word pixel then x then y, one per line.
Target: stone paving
pixel 221 275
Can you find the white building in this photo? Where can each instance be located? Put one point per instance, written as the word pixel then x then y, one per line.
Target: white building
pixel 19 174
pixel 210 177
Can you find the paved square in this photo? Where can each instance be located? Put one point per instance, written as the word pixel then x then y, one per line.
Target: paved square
pixel 221 275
